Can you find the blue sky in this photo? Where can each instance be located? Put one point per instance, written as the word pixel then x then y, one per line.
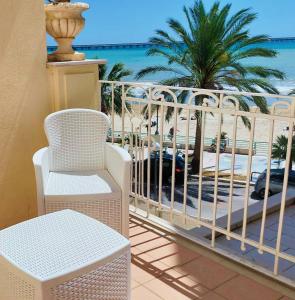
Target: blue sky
pixel 118 21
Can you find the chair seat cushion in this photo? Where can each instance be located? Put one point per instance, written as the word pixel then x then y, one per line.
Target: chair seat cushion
pixel 91 183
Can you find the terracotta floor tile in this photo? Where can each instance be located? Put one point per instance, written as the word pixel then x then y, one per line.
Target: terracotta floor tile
pixel 171 290
pixel 173 273
pixel 164 270
pixel 139 239
pixel 243 288
pixel 171 249
pixel 140 275
pixel 183 283
pixel 177 259
pixel 142 293
pixel 154 244
pixel 133 231
pixel 135 250
pixel 206 272
pixel 149 264
pixel 171 255
pixel 160 266
pixel 213 296
pixel 144 257
pixel 156 230
pixel 134 284
pixel 134 221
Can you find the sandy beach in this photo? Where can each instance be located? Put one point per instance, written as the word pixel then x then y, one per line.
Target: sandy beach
pixel 261 132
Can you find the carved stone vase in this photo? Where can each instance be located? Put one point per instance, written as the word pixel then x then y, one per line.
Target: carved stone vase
pixel 64 22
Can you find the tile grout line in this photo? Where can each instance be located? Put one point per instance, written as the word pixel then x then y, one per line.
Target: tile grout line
pixel 153 291
pixel 226 281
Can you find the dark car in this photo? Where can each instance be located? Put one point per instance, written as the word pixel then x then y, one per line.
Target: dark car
pixel 166 168
pixel 275 183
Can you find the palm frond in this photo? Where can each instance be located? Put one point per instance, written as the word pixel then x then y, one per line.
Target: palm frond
pixel 117 73
pixel 155 69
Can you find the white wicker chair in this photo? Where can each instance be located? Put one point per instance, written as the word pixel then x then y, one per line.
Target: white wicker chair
pixel 64 255
pixel 80 171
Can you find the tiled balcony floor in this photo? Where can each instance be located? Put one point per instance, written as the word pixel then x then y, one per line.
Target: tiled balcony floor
pixel 266 260
pixel 164 269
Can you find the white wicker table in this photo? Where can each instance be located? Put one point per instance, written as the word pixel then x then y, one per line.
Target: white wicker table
pixel 64 255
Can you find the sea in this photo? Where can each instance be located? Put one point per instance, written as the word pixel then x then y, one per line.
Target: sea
pixel 134 57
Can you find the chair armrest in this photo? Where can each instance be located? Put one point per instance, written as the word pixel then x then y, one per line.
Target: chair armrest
pixel 41 165
pixel 118 164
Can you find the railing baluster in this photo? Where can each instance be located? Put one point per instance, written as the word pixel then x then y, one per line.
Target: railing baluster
pixel 188 117
pixel 199 205
pixel 173 164
pixel 267 180
pixel 283 199
pixel 161 155
pixel 136 170
pixel 139 162
pixel 149 152
pixel 215 202
pixel 231 187
pixel 142 164
pixel 246 199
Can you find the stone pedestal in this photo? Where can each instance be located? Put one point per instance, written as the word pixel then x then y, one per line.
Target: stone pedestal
pixel 74 84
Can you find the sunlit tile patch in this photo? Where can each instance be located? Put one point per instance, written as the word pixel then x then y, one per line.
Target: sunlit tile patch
pixel 164 269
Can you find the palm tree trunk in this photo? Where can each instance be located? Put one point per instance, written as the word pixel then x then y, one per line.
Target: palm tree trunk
pixel 290 164
pixel 197 149
pixel 102 108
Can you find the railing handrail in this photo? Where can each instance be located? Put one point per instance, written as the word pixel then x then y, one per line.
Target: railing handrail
pixel 228 92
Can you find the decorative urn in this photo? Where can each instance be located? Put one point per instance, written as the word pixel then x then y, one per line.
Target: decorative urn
pixel 64 22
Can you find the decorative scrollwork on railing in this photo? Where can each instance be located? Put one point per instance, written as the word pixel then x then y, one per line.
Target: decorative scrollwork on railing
pixel 282 107
pixel 210 99
pixel 158 94
pixel 230 102
pixel 133 98
pixel 130 91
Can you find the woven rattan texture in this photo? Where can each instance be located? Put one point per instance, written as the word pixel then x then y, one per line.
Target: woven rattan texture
pixel 76 140
pixel 108 282
pixel 13 287
pixel 66 240
pixel 108 212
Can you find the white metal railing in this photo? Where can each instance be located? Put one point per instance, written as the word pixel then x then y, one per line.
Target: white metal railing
pixel 219 109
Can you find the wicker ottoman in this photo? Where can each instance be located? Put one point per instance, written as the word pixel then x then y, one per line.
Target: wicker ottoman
pixel 64 255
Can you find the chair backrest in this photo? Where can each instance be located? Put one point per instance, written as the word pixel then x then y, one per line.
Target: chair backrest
pixel 76 139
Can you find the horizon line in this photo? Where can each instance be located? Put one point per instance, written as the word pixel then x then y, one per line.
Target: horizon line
pixel 273 39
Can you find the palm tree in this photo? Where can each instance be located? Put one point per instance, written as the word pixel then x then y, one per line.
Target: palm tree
pixel 279 149
pixel 117 72
pixel 209 53
pixel 58 1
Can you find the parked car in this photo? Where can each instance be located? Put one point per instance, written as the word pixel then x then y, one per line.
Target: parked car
pixel 167 168
pixel 275 184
